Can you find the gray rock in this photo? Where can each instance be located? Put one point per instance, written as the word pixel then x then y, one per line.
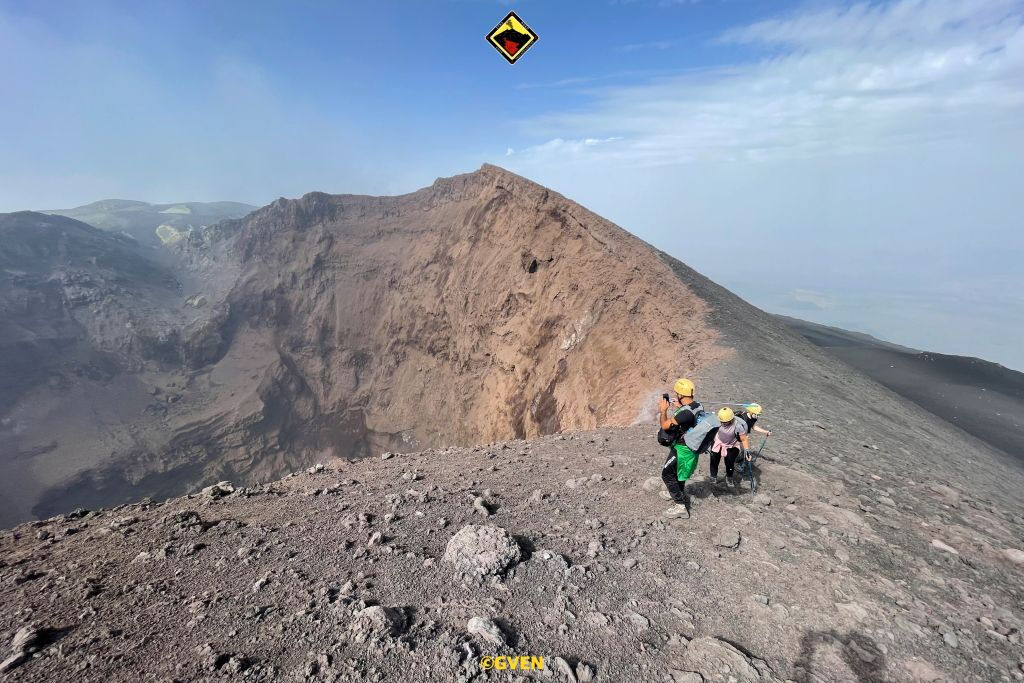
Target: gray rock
pixel 218 490
pixel 728 538
pixel 939 545
pixel 22 646
pixel 376 622
pixel 946 494
pixel 853 610
pixel 763 499
pixel 862 654
pixel 482 550
pixel 629 562
pixel 486 629
pixel 640 621
pixel 481 507
pixel 652 484
pixel 584 672
pixel 711 656
pixel 950 639
pixel 563 667
pixel 1014 555
pixel 123 522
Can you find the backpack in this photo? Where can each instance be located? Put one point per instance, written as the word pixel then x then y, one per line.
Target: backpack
pixel 698 438
pixel 695 436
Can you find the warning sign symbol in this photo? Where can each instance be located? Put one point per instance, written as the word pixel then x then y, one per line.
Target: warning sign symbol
pixel 512 38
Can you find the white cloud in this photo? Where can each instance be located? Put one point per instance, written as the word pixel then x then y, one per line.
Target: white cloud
pixel 560 149
pixel 839 81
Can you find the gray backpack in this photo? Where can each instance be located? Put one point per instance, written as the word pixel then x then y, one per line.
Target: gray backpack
pixel 698 437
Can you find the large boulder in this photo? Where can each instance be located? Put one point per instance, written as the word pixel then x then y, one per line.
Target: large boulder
pixel 481 550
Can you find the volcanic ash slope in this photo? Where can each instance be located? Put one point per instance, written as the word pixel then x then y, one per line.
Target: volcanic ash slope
pixel 882 545
pixel 413 567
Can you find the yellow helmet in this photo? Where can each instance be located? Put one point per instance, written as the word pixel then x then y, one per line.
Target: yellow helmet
pixel 683 387
pixel 725 415
pixel 753 408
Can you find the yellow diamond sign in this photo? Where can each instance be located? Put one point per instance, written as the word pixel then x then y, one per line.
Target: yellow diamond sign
pixel 512 37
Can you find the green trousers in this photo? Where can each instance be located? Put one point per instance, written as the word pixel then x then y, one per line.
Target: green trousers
pixel 686 461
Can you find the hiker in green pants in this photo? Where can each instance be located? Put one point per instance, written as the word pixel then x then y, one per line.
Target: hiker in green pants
pixel 681 460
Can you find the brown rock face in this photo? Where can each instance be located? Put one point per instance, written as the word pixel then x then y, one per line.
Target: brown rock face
pixel 484 307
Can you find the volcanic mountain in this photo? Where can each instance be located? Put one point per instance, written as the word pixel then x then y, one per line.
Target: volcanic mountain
pixel 481 308
pixel 469 373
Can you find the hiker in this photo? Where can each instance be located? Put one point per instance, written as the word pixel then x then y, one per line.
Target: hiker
pixel 730 442
pixel 682 461
pixel 750 414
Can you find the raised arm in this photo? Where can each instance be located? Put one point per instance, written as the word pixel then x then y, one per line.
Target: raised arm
pixel 663 419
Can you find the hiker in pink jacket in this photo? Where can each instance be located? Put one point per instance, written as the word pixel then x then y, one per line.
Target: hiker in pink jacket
pixel 731 441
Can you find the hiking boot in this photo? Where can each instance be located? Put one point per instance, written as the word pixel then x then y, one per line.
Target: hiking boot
pixel 677 511
pixel 713 480
pixel 665 495
pixel 730 482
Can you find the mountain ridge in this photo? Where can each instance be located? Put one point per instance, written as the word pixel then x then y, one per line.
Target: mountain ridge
pixel 982 398
pixel 463 284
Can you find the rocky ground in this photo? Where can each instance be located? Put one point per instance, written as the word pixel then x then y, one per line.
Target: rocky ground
pixel 414 566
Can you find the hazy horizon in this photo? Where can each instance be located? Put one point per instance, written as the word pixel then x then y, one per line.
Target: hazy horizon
pixel 849 163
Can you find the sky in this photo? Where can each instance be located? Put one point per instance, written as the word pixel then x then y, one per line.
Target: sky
pixel 858 164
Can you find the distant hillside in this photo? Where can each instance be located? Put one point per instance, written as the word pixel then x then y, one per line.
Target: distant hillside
pixel 142 220
pixel 984 399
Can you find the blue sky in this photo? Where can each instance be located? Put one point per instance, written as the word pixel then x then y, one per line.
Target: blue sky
pixel 856 164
